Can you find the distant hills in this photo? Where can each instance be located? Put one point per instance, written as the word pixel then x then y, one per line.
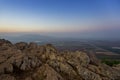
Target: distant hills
pixel 27 38
pixel 30 37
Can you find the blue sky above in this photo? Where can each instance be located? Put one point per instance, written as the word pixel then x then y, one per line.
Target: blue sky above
pixel 60 16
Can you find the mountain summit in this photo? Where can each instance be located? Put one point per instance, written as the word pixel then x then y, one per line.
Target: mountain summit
pixel 23 61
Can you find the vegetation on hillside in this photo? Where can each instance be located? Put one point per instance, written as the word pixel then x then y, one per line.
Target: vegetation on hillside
pixel 110 62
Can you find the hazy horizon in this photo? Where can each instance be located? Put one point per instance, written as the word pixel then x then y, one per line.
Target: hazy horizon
pixel 96 19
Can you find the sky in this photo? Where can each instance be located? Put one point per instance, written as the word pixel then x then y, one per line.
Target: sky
pixel 61 17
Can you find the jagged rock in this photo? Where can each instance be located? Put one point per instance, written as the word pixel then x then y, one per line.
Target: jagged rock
pixel 5 42
pixel 30 62
pixel 32 45
pixel 7 77
pixel 21 45
pixel 117 67
pixel 77 58
pixel 5 68
pixel 45 72
pixel 2 59
pixel 64 69
pixel 87 74
pixel 28 78
pixel 23 61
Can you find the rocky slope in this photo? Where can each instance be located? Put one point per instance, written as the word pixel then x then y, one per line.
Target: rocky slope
pixel 22 61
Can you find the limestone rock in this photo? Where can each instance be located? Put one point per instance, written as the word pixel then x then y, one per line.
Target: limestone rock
pixel 117 67
pixel 45 72
pixel 21 45
pixel 23 61
pixel 7 77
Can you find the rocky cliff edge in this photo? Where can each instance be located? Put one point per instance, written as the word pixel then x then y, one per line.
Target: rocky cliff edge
pixel 23 61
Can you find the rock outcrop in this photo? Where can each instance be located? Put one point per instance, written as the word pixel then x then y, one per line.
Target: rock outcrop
pixel 23 61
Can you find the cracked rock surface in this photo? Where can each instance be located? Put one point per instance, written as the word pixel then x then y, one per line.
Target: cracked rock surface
pixel 23 61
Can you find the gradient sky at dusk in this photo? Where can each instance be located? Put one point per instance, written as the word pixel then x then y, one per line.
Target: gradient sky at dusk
pixel 60 16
